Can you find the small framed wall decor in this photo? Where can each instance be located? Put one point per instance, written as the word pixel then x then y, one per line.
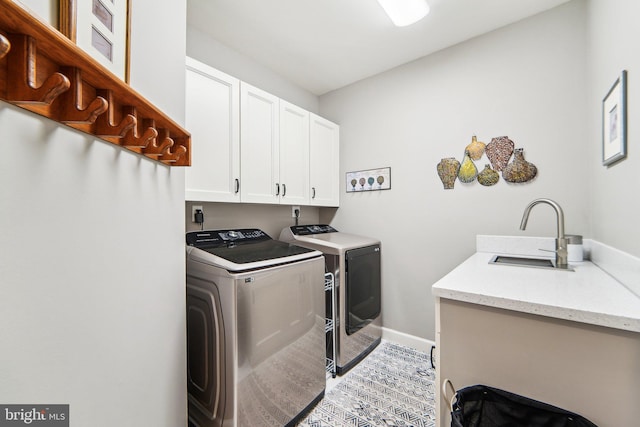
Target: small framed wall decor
pixel 614 122
pixel 102 29
pixel 369 180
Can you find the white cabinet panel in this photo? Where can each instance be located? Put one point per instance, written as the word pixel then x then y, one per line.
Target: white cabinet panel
pixel 259 157
pixel 250 146
pixel 324 158
pixel 212 117
pixel 294 154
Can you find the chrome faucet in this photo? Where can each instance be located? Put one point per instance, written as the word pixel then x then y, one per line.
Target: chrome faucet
pixel 561 240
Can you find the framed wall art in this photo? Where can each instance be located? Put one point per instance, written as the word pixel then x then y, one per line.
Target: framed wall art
pixel 369 180
pixel 614 122
pixel 102 29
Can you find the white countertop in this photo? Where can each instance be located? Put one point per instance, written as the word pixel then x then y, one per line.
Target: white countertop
pixel 587 295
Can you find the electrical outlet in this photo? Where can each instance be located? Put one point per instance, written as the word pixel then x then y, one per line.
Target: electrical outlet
pixel 293 211
pixel 194 208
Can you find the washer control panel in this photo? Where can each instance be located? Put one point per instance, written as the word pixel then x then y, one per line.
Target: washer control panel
pixel 224 237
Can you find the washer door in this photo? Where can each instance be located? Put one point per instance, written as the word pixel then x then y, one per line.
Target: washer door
pixel 205 352
pixel 362 287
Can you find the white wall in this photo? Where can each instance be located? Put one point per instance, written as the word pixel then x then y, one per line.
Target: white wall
pixel 206 49
pixel 612 42
pixel 92 256
pixel 526 81
pixel 269 218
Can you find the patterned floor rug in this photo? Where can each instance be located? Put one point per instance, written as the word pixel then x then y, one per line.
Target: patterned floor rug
pixel 394 386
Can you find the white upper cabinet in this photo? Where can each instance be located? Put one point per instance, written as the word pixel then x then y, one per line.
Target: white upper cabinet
pixel 212 117
pixel 250 146
pixel 260 138
pixel 294 154
pixel 324 163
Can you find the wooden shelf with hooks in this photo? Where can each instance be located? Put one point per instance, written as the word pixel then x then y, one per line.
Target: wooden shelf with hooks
pixel 44 72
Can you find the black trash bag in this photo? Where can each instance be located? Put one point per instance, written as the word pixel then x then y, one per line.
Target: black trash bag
pixel 483 406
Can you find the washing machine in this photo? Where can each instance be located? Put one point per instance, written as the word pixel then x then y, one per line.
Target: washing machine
pixel 255 329
pixel 354 262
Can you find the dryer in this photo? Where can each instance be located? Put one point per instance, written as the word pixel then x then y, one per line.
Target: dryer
pixel 255 329
pixel 355 263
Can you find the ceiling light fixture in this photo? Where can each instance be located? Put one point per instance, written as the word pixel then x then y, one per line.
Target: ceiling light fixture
pixel 405 12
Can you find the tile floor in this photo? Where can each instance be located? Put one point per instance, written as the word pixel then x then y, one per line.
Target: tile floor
pixel 394 386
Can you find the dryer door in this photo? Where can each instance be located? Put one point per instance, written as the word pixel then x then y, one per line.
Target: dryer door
pixel 362 287
pixel 205 351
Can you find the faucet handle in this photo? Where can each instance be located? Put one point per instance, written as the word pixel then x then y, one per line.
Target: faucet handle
pixel 548 250
pixel 560 248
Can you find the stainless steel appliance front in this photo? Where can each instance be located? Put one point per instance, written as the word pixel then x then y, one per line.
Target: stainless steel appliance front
pixel 255 342
pixel 355 263
pixel 355 336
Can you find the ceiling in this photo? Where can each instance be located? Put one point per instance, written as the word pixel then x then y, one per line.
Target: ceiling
pixel 323 45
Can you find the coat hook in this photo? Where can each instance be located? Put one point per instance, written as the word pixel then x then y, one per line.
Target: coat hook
pixel 105 126
pixel 43 72
pixel 162 142
pixel 5 45
pixel 71 104
pixel 173 158
pixel 135 138
pixel 22 70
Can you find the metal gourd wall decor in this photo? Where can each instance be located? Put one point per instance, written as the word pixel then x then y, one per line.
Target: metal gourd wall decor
pixel 499 154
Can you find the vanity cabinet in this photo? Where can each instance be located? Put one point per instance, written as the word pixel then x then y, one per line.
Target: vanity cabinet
pixel 567 338
pixel 212 115
pixel 324 164
pixel 252 147
pixel 588 369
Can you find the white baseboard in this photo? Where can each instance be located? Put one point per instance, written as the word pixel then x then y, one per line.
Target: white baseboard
pixel 417 343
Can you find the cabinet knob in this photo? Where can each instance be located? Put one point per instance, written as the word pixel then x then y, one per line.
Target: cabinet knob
pixel 237 185
pixel 313 192
pixel 284 190
pixel 277 189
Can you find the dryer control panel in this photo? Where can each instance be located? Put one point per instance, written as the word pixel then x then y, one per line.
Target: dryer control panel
pixel 305 230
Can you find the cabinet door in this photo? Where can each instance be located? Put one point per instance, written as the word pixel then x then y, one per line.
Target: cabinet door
pixel 294 154
pixel 324 162
pixel 259 138
pixel 212 116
